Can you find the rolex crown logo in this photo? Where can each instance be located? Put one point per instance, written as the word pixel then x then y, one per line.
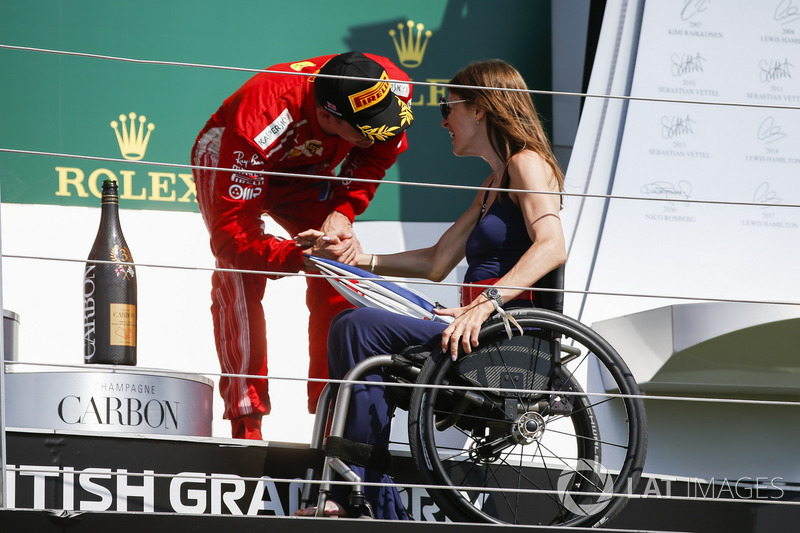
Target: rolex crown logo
pixel 410 48
pixel 132 141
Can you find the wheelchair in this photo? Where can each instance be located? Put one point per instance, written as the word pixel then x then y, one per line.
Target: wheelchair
pixel 541 427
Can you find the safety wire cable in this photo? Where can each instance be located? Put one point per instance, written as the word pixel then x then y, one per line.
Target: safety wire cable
pixel 649 397
pixel 412 82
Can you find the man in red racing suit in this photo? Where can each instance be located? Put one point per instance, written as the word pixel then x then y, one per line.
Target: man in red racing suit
pixel 297 124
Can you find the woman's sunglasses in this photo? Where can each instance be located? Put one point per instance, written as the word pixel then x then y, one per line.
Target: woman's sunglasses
pixel 444 106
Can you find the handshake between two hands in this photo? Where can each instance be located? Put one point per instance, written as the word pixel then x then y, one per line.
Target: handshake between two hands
pixel 339 245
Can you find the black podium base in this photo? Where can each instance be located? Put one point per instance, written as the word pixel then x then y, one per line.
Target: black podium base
pixel 59 481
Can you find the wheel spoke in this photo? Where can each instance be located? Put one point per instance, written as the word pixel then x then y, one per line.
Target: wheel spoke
pixel 542 468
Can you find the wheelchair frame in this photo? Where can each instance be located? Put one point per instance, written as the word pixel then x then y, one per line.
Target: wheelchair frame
pixel 587 492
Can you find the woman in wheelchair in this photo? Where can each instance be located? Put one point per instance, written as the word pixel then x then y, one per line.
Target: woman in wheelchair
pixel 510 238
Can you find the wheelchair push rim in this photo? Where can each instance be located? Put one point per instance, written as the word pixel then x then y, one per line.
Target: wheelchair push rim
pixel 560 454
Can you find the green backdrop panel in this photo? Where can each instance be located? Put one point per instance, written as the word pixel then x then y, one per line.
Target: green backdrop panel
pixel 66 104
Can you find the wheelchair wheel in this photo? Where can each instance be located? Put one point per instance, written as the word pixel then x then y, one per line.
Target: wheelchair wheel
pixel 516 432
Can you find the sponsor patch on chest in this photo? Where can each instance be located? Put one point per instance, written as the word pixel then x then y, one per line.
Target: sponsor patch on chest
pixel 309 148
pixel 274 130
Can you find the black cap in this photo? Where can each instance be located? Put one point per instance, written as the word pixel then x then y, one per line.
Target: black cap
pixel 369 106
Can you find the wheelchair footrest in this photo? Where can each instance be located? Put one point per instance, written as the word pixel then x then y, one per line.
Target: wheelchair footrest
pixel 358 453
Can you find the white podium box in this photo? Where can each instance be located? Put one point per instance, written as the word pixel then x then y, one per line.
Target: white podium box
pixel 108 399
pixel 738 349
pixel 10 335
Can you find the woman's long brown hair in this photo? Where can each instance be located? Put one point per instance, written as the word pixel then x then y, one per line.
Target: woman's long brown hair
pixel 513 123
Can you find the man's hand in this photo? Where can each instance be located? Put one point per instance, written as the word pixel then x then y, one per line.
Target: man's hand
pixel 342 240
pixel 335 247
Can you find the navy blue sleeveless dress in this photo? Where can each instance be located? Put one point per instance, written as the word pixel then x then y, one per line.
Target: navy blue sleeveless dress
pixel 494 246
pixel 497 242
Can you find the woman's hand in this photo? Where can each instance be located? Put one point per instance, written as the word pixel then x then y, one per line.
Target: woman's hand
pixel 466 327
pixel 342 238
pixel 342 246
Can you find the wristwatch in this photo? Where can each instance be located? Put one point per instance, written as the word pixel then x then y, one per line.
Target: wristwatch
pixel 493 295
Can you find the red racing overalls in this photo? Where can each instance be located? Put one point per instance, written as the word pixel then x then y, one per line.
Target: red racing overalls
pixel 270 124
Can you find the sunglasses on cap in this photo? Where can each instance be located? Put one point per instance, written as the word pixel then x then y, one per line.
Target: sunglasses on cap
pixel 444 106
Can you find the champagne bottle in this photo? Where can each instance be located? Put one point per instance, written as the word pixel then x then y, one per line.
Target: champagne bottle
pixel 109 291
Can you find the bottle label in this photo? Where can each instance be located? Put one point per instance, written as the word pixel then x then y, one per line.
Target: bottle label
pixel 123 325
pixel 121 254
pixel 88 312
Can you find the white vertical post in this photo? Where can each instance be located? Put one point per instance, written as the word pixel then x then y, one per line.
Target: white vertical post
pixel 2 394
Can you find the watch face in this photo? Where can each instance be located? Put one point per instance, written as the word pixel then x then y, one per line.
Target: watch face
pixel 492 294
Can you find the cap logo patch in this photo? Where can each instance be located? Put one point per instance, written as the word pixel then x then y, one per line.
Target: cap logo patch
pixel 381 133
pixel 406 116
pixel 368 97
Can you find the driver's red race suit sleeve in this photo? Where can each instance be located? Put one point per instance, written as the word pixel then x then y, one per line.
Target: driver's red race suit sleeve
pixel 268 125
